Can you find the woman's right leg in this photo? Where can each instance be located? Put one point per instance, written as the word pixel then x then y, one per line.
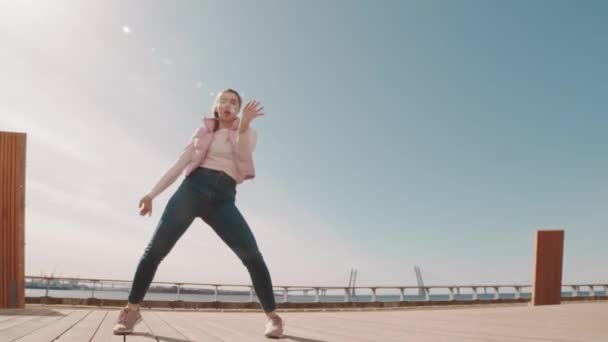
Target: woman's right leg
pixel 178 215
pixel 230 225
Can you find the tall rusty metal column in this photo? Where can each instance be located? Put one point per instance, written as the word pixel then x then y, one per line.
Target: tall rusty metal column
pixel 548 264
pixel 12 219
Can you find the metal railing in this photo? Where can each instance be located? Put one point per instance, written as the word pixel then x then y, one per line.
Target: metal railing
pixel 349 293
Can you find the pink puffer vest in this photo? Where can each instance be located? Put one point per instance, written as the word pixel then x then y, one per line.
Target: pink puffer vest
pixel 202 138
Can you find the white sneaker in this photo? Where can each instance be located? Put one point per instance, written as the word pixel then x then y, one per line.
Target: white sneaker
pixel 274 327
pixel 127 319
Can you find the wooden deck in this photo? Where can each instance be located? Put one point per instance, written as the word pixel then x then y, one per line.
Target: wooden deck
pixel 567 322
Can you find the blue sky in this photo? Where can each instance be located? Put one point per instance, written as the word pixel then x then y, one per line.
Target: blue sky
pixel 437 133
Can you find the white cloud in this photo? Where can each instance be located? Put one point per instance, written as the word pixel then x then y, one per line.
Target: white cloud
pixel 43 135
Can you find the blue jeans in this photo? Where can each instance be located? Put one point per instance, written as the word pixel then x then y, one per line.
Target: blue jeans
pixel 210 195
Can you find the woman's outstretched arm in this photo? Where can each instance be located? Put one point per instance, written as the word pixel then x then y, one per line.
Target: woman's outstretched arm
pixel 172 173
pixel 145 203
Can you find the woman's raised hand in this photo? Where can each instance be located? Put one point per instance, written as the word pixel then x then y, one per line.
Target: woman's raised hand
pixel 251 111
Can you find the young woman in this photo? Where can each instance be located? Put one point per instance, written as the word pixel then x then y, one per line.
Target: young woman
pixel 218 157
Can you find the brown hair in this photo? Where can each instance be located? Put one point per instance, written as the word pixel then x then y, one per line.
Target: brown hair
pixel 215 113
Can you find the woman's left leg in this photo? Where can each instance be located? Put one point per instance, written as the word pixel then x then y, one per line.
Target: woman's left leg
pixel 227 221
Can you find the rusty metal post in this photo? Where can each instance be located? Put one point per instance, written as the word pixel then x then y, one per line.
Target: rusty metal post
pixel 548 263
pixel 12 219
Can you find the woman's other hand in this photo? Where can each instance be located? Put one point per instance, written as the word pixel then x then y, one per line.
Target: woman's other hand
pixel 145 205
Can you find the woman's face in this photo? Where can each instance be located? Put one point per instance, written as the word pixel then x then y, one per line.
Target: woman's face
pixel 227 106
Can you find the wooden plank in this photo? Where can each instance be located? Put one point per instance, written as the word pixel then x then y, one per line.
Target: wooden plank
pixel 248 324
pixel 521 323
pixel 84 329
pixel 12 313
pixel 6 314
pixel 161 329
pixel 311 326
pixel 414 329
pixel 104 331
pixel 252 324
pixel 222 325
pixel 486 324
pixel 15 320
pixel 57 328
pixel 7 317
pixel 335 329
pixel 567 322
pixel 192 330
pixel 36 322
